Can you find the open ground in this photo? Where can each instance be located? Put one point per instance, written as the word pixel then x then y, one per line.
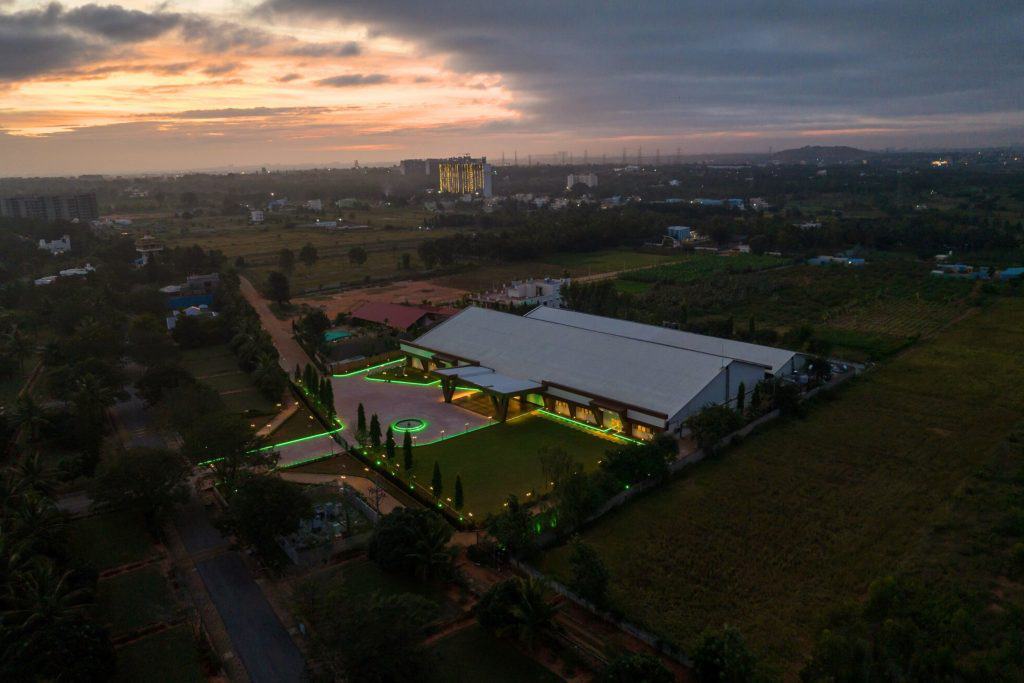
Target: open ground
pixel 804 515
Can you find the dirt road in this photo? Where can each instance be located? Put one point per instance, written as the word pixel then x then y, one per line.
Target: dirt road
pixel 280 330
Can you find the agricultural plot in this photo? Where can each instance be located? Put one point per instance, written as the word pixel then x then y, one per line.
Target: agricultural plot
pixel 130 601
pixel 700 267
pixel 470 655
pixel 109 540
pixel 804 515
pixel 166 657
pixel 218 367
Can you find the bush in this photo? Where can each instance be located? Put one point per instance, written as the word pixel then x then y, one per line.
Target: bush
pixel 636 668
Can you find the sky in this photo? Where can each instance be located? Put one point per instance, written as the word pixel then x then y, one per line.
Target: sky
pixel 195 84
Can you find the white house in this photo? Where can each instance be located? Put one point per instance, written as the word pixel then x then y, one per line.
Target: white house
pixel 56 247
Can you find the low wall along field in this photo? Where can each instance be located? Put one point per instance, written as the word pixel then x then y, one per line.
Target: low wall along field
pixel 805 514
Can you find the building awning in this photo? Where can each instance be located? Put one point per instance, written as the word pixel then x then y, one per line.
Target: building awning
pixel 488 379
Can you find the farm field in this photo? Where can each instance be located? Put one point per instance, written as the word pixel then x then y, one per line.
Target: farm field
pixel 469 656
pixel 804 515
pixel 218 367
pixel 867 312
pixel 578 264
pixel 130 601
pixel 699 267
pixel 496 461
pixel 166 657
pixel 109 540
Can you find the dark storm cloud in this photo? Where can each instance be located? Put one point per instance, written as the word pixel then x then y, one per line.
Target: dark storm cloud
pixel 660 64
pixel 349 49
pixel 352 80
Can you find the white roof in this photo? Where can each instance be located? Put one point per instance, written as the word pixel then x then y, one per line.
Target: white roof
pixel 657 377
pixel 489 379
pixel 770 357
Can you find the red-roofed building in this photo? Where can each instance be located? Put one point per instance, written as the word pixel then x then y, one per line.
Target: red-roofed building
pixel 397 316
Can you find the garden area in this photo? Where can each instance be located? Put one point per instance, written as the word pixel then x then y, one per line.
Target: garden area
pixel 781 529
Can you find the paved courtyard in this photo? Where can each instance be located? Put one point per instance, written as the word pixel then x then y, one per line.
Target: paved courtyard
pixel 392 401
pixel 308 449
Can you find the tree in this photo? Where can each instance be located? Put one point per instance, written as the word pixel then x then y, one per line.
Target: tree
pixel 724 658
pixel 286 260
pixel 278 287
pixel 556 465
pixel 636 668
pixel 389 444
pixel 589 575
pixel 405 262
pixel 30 417
pixel 357 255
pixel 264 508
pixel 148 480
pixel 309 380
pixel 361 422
pixel 374 431
pixel 436 486
pixel 148 342
pixel 741 397
pixel 327 396
pixel 517 607
pixel 458 502
pixel 407 452
pixel 158 380
pixel 308 254
pixel 712 424
pixel 414 542
pixel 512 528
pixel 297 373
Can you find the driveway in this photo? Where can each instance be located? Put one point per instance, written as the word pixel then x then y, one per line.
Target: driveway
pixel 280 330
pixel 257 635
pixel 391 401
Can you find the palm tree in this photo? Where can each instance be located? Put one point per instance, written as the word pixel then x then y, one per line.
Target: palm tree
pixel 430 552
pixel 31 473
pixel 531 611
pixel 92 397
pixel 18 345
pixel 30 416
pixel 42 597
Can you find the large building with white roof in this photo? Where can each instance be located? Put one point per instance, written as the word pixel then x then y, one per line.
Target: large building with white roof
pixel 614 374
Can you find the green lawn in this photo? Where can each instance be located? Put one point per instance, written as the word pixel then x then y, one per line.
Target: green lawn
pixel 301 423
pixel 472 655
pixel 803 516
pixel 130 601
pixel 496 461
pixel 109 540
pixel 166 657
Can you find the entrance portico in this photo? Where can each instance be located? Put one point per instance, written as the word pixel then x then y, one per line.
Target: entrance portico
pixel 500 388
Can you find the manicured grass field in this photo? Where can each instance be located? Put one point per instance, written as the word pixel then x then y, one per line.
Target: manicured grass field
pixel 472 655
pixel 166 657
pixel 301 423
pixel 109 540
pixel 496 461
pixel 803 516
pixel 129 601
pixel 218 367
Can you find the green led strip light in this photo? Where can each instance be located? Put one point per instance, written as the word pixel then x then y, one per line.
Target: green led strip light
pixel 589 427
pixel 423 424
pixel 372 367
pixel 402 381
pixel 278 445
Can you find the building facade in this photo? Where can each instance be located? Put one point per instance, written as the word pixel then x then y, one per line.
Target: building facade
pixel 464 175
pixel 80 207
pixel 588 179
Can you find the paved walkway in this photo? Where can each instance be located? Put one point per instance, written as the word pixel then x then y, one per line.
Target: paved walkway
pixel 280 330
pixel 360 484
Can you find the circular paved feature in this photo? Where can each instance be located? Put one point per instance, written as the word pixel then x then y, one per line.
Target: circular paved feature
pixel 409 424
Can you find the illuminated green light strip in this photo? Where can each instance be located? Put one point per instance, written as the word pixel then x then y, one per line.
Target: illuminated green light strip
pixel 277 445
pixel 457 434
pixel 306 461
pixel 609 432
pixel 418 428
pixel 372 367
pixel 403 381
pixel 298 440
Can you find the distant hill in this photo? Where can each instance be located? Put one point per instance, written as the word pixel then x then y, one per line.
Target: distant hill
pixel 819 154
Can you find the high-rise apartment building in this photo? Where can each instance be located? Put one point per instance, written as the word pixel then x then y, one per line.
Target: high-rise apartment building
pixel 464 175
pixel 82 207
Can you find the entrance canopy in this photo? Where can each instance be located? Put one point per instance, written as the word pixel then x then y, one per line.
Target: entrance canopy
pixel 488 379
